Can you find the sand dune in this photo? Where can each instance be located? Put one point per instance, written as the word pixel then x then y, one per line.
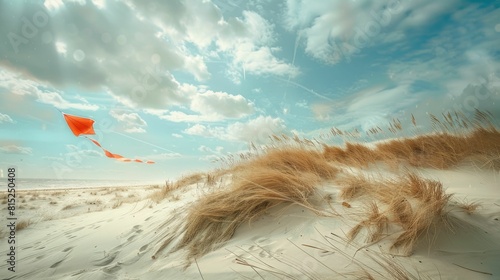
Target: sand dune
pixel 287 241
pixel 288 212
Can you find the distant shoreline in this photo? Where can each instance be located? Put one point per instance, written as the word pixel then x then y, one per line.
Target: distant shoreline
pixel 61 184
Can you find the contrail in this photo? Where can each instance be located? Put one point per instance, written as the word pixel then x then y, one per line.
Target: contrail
pixel 295 50
pixel 305 88
pixel 142 141
pixel 293 60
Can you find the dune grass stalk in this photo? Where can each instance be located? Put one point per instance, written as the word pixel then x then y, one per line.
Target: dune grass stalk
pixel 281 176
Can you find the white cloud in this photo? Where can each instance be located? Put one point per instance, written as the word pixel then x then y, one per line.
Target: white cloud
pixel 155 112
pixel 197 129
pixel 213 154
pixel 61 48
pixel 59 159
pixel 125 56
pixel 4 118
pixel 53 4
pixel 456 64
pixel 163 156
pixel 133 57
pixel 14 149
pixel 246 41
pixel 196 66
pixel 221 104
pixel 39 92
pixel 176 116
pixel 75 151
pixel 256 130
pixel 252 53
pixel 367 108
pixel 302 104
pixel 205 131
pixel 177 135
pixel 456 57
pixel 336 30
pixel 130 122
pixel 209 106
pixel 205 149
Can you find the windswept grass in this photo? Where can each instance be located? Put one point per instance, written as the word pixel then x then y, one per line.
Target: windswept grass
pixel 455 140
pixel 403 208
pixel 469 207
pixel 282 176
pixel 441 151
pixel 414 204
pixel 22 224
pixel 209 179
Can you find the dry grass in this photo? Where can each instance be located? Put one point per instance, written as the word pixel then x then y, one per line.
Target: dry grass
pixel 117 204
pixel 469 207
pixel 282 176
pixel 57 193
pixel 169 187
pixel 354 154
pixel 189 180
pixel 404 208
pixel 67 207
pixel 439 150
pixel 94 202
pixel 160 194
pixel 456 139
pixel 416 205
pixel 293 161
pixel 22 224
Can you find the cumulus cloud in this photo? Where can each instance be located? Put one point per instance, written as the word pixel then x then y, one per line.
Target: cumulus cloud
pixel 14 149
pixel 205 131
pixel 247 40
pixel 213 154
pixel 15 84
pixel 256 130
pixel 210 106
pixel 99 53
pixel 129 122
pixel 221 104
pixel 133 57
pixel 205 149
pixel 4 118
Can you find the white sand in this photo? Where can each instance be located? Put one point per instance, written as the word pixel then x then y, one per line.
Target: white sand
pixel 97 241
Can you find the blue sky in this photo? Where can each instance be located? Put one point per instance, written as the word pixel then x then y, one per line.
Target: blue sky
pixel 185 82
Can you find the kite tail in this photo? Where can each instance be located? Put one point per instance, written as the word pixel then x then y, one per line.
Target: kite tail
pixel 117 156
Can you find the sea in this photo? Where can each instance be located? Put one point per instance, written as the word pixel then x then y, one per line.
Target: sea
pixel 37 183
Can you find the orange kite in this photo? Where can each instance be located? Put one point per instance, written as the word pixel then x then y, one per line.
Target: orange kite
pixel 79 126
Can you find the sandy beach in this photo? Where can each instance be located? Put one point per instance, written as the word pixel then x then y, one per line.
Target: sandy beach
pixel 118 233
